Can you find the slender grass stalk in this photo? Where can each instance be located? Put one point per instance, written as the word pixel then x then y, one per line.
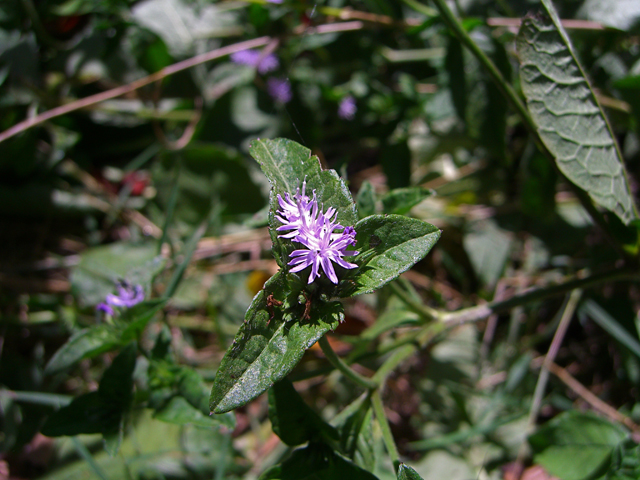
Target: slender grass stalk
pixel 87 457
pixel 387 437
pixel 348 372
pixel 427 313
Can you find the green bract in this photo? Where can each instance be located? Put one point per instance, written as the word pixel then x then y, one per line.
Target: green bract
pixel 288 316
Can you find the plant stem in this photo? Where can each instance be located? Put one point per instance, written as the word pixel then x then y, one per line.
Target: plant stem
pixel 424 311
pixel 393 361
pixel 480 312
pixel 337 362
pixel 567 314
pixel 507 90
pixel 387 437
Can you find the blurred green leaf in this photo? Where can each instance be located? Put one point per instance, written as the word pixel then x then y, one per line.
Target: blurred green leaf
pixel 209 173
pixel 588 440
pixel 316 462
pixel 366 200
pixel 100 268
pixel 488 247
pixel 292 419
pixel 101 411
pixel 400 200
pixel 83 344
pixel 610 325
pixel 455 68
pixel 391 245
pixel 267 347
pixel 181 412
pixel 570 121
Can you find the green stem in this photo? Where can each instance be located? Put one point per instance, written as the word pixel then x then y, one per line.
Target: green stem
pixel 424 311
pixel 393 361
pixel 387 437
pixel 480 312
pixel 452 22
pixel 337 362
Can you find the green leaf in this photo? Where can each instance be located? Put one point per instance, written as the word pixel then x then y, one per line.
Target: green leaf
pixel 401 200
pixel 267 347
pixel 570 121
pixel 610 325
pixel 455 67
pixel 356 432
pixel 316 462
pixel 407 473
pixel 139 316
pixel 86 343
pixel 390 245
pixel 287 164
pixel 93 341
pixel 366 200
pixel 179 411
pixel 292 419
pixel 100 268
pixel 586 439
pixel 207 170
pixel 101 411
pixel 488 247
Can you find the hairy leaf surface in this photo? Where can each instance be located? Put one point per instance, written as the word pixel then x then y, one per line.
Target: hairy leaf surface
pixel 570 121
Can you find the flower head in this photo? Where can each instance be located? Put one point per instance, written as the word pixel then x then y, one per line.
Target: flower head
pixel 347 108
pixel 255 58
pixel 279 89
pixel 325 241
pixel 128 296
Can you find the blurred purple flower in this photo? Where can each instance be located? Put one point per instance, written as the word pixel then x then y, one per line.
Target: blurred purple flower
pixel 255 58
pixel 275 1
pixel 280 89
pixel 128 296
pixel 103 307
pixel 347 108
pixel 316 231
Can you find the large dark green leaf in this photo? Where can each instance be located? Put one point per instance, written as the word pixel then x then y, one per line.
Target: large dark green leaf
pixel 570 121
pixel 101 411
pixel 390 245
pixel 316 462
pixel 586 439
pixel 269 344
pixel 292 419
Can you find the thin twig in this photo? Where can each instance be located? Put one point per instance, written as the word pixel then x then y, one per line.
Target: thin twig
pixel 480 312
pixel 133 86
pixel 584 393
pixel 569 309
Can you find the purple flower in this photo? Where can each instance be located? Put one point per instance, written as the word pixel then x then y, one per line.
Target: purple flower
pixel 103 307
pixel 279 89
pixel 317 231
pixel 275 1
pixel 128 296
pixel 255 58
pixel 347 108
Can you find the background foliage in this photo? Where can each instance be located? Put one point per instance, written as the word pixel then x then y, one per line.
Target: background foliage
pixel 512 348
